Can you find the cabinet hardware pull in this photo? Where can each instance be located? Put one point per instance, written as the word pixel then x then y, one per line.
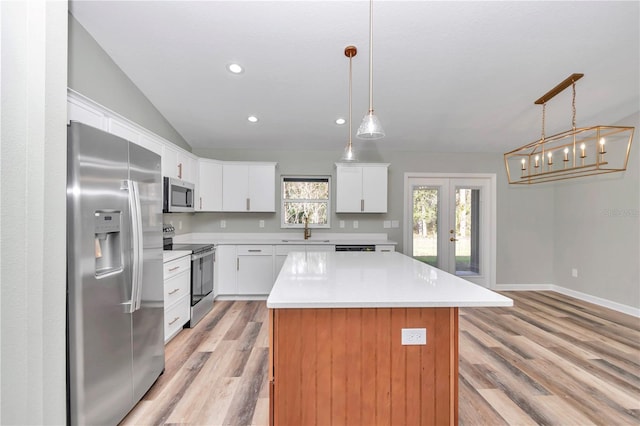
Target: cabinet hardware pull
pixel 174 320
pixel 248 203
pixel 237 264
pixel 175 290
pixel 385 250
pixel 254 251
pixel 179 170
pixel 361 205
pixel 200 203
pixel 174 268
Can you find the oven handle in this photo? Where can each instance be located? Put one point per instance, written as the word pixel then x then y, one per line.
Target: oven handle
pixel 201 255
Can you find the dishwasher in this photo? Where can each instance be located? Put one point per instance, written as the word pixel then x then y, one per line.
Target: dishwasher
pixel 355 247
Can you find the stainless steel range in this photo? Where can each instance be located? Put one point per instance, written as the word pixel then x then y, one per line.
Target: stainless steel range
pixel 202 264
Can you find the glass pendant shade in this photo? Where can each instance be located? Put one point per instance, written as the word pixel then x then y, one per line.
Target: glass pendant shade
pixel 370 128
pixel 349 154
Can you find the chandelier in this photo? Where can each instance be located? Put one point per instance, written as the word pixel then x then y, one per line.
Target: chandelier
pixel 574 153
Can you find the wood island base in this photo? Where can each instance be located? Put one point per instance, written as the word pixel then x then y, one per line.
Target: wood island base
pixel 348 367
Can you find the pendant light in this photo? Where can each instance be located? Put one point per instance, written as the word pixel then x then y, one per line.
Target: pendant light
pixel 370 128
pixel 349 155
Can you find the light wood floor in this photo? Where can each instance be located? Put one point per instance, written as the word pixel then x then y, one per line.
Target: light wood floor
pixel 550 360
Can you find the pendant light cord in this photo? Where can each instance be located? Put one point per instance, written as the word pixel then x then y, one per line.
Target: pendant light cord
pixel 370 56
pixel 350 90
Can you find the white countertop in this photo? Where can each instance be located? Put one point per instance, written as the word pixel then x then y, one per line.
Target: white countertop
pixel 372 280
pixel 289 238
pixel 169 255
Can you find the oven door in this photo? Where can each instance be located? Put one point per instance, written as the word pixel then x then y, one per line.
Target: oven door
pixel 201 275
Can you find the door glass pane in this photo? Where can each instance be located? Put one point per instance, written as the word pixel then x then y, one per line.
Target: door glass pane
pixel 425 224
pixel 467 231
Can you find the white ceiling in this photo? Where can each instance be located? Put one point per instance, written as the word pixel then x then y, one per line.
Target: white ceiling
pixel 449 76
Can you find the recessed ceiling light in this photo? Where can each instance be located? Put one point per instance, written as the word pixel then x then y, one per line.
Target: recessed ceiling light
pixel 341 121
pixel 252 119
pixel 235 68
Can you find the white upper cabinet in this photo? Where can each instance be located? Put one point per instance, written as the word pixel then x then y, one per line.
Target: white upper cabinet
pixel 248 187
pixel 361 187
pixel 179 164
pixel 85 113
pixel 209 186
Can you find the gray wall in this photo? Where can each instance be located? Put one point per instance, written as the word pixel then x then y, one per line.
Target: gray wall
pixel 596 231
pixel 524 215
pixel 94 74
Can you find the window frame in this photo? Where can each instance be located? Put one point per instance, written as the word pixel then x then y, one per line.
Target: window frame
pixel 284 225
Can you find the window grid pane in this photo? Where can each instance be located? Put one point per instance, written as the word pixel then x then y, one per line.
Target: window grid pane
pixel 305 198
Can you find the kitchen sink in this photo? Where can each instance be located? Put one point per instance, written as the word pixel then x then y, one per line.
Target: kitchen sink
pixel 300 240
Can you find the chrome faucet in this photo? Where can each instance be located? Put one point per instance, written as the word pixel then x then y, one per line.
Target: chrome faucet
pixel 307 230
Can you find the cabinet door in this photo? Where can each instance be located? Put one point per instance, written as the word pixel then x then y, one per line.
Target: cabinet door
pixel 169 162
pixel 235 187
pixel 374 189
pixel 255 269
pixel 121 129
pixel 209 186
pixel 262 188
pixel 186 166
pixel 79 111
pixel 226 270
pixel 348 189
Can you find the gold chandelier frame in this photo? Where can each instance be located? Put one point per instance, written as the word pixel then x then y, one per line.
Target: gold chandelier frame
pixel 584 151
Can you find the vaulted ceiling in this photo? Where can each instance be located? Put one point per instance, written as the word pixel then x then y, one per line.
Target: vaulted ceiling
pixel 450 76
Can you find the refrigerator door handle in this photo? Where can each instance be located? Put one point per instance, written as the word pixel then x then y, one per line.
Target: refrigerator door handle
pixel 138 247
pixel 136 242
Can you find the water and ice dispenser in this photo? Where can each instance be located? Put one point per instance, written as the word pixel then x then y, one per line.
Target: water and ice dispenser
pixel 108 244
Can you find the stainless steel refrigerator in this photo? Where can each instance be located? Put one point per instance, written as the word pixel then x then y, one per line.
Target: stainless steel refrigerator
pixel 115 295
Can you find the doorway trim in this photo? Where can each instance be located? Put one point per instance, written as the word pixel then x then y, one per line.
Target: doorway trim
pixel 408 219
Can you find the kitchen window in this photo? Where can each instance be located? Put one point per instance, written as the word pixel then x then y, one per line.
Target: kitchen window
pixel 305 198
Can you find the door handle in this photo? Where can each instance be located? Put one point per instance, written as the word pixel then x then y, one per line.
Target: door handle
pixel 452 239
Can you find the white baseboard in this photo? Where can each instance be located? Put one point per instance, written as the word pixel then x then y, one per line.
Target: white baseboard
pixel 242 297
pixel 625 309
pixel 523 287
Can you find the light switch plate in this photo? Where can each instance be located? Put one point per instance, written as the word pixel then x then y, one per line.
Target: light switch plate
pixel 355 224
pixel 414 336
pixel 387 224
pixel 342 224
pixel 395 224
pixel 261 223
pixel 223 223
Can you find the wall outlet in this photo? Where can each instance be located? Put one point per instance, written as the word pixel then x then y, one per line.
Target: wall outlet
pixel 387 224
pixel 223 223
pixel 342 224
pixel 395 224
pixel 355 224
pixel 574 273
pixel 179 224
pixel 261 223
pixel 414 336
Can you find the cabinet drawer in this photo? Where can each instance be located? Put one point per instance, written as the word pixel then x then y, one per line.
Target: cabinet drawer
pixel 176 316
pixel 255 250
pixel 176 266
pixel 176 287
pixel 385 247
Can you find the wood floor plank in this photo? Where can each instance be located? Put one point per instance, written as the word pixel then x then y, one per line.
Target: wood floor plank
pixel 549 359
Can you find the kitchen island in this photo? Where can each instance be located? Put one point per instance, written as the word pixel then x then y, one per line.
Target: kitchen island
pixel 336 340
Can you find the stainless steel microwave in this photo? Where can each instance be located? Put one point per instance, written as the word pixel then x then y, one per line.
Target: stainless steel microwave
pixel 178 196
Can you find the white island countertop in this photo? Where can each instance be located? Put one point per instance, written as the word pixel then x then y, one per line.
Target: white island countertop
pixel 372 280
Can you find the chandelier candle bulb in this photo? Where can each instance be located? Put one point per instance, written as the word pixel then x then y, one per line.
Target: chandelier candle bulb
pixel 550 157
pixel 537 161
pixel 602 151
pixel 583 151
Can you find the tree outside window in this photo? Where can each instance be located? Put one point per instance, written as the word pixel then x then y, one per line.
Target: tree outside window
pixel 305 198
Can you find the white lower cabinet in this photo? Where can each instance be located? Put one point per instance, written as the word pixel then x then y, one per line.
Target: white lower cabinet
pixel 255 269
pixel 385 247
pixel 226 279
pixel 177 306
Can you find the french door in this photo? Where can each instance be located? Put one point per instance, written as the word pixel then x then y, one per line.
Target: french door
pixel 450 223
